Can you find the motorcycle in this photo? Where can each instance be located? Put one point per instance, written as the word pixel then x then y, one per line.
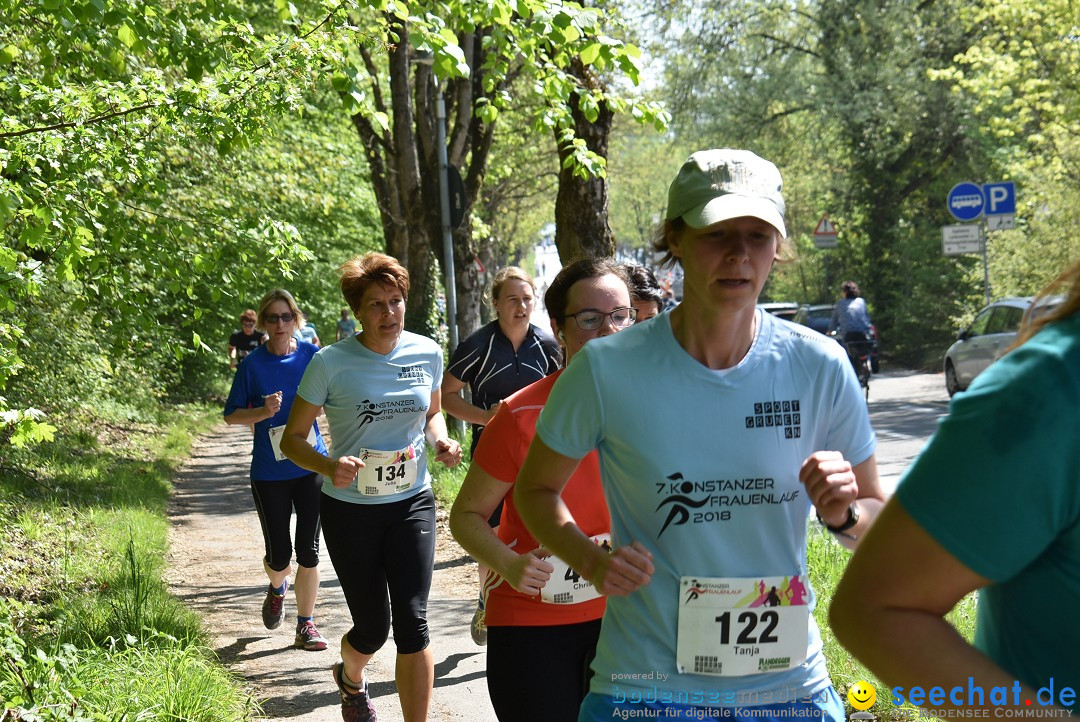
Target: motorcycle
pixel 859 347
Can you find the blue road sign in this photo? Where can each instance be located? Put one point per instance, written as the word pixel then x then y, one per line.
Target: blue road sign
pixel 965 201
pixel 1000 198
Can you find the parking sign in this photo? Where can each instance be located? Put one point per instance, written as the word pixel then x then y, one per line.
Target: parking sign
pixel 1000 198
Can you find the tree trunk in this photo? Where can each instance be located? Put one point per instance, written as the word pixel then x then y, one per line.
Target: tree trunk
pixel 581 205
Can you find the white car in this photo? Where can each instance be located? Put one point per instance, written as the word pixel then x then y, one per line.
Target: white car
pixel 988 337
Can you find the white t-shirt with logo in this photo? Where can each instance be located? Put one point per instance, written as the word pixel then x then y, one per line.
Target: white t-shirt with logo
pixel 375 402
pixel 701 466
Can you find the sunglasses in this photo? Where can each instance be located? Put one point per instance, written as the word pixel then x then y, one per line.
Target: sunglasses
pixel 273 318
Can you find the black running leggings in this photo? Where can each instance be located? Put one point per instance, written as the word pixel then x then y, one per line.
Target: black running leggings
pixel 275 501
pixel 540 674
pixel 384 555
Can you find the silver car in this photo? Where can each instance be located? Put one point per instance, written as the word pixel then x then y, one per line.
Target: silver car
pixel 988 337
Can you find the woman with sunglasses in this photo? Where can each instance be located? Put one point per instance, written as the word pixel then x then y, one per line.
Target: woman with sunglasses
pixel 262 394
pixel 543 620
pixel 380 389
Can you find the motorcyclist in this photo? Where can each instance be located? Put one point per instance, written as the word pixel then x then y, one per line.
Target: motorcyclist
pixel 850 319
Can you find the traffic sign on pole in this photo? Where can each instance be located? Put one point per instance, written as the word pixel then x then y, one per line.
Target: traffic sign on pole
pixel 965 201
pixel 825 233
pixel 959 239
pixel 1000 198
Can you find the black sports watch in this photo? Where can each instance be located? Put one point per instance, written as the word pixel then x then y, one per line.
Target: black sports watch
pixel 852 520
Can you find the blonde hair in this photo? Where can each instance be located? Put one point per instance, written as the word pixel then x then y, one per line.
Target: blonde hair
pixel 508 273
pixel 1068 283
pixel 278 294
pixel 359 272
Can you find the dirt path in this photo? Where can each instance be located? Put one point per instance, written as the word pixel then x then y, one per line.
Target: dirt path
pixel 215 567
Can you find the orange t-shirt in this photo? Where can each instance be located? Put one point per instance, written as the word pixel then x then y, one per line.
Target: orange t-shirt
pixel 500 453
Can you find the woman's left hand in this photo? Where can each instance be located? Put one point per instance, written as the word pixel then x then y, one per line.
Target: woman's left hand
pixel 448 452
pixel 830 484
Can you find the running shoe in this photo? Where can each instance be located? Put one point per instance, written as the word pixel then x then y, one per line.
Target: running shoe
pixel 273 609
pixel 308 637
pixel 355 706
pixel 478 628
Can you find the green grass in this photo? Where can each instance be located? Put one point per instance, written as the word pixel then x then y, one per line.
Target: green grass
pixel 446 483
pixel 87 626
pixel 826 560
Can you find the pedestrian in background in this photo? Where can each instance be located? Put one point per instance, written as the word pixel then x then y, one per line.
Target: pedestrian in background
pixel 346 327
pixel 246 340
pixel 496 360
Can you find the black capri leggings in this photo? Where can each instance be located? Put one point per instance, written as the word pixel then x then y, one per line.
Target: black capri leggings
pixel 558 656
pixel 275 501
pixel 384 555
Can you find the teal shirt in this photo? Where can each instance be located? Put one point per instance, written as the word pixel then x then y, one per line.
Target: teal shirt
pixel 375 402
pixel 998 486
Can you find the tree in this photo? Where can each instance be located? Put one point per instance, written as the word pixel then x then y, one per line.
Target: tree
pixel 478 52
pixel 106 110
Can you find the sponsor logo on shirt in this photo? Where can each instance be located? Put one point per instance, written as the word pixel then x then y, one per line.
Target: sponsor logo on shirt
pixel 416 372
pixel 708 501
pixel 777 414
pixel 371 412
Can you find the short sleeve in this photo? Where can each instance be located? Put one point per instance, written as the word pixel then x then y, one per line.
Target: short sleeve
pixel 436 369
pixel 464 363
pixel 571 423
pixel 1004 460
pixel 314 386
pixel 240 392
pixel 498 451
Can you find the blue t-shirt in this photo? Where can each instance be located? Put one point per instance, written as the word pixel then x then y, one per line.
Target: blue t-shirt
pixel 702 467
pixel 375 402
pixel 260 374
pixel 998 486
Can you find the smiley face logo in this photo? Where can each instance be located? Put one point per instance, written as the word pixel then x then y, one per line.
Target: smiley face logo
pixel 862 696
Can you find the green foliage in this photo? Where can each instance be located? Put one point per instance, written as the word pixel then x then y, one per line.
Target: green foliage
pixel 826 561
pixel 873 110
pixel 87 627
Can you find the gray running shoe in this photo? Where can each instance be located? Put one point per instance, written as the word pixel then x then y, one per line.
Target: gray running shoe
pixel 273 609
pixel 355 706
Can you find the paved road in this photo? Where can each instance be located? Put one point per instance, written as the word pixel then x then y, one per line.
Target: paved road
pixel 904 409
pixel 216 544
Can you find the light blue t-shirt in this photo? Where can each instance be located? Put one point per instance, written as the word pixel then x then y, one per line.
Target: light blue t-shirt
pixel 702 466
pixel 262 373
pixel 998 486
pixel 375 402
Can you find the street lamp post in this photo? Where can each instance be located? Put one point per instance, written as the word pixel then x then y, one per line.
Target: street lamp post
pixel 444 211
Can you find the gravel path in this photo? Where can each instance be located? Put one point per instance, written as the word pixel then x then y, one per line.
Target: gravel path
pixel 215 568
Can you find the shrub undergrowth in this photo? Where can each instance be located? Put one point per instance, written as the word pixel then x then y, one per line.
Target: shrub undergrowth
pixel 88 630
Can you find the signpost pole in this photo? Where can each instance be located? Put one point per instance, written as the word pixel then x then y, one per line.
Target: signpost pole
pixel 984 237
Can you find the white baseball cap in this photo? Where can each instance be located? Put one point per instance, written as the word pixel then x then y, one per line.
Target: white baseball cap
pixel 724 183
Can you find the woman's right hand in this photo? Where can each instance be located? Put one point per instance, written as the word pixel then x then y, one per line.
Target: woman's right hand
pixel 529 573
pixel 272 403
pixel 345 469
